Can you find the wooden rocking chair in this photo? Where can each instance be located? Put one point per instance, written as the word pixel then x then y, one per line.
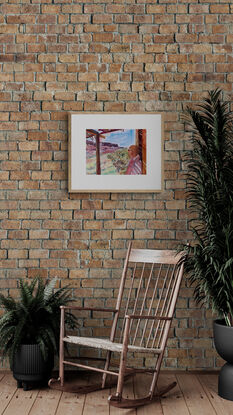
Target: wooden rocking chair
pixel 142 318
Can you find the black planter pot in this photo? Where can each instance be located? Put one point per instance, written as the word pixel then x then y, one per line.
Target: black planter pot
pixel 223 340
pixel 29 367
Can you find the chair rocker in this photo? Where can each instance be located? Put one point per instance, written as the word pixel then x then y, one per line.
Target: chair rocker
pixel 144 310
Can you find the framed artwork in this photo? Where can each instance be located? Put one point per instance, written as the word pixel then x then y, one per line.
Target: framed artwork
pixel 111 152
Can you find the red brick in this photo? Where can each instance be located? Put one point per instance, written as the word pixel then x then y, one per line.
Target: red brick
pixel 38 234
pixel 219 8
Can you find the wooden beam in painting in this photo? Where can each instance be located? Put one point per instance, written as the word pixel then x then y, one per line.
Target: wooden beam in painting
pixel 93 133
pixel 140 141
pixel 98 134
pixel 98 167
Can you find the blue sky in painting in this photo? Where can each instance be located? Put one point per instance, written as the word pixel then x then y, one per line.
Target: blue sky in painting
pixel 124 138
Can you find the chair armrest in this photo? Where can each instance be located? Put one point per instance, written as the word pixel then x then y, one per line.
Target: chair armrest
pixel 135 316
pixel 73 307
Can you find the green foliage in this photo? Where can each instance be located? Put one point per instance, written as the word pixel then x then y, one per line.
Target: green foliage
pixel 34 317
pixel 120 160
pixel 210 198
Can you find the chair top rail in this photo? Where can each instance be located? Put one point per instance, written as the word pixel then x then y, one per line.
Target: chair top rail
pixel 155 256
pixel 73 307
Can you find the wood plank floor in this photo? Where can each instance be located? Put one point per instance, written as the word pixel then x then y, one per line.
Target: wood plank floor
pixel 194 394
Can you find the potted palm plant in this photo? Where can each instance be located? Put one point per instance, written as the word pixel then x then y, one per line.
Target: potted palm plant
pixel 29 329
pixel 209 263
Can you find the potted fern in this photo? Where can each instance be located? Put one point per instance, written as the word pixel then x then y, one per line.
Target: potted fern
pixel 209 263
pixel 29 329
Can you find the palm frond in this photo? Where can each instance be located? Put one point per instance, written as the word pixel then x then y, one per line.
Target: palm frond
pixel 49 288
pixel 209 193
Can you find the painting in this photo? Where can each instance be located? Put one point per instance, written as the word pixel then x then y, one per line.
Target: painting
pixel 115 152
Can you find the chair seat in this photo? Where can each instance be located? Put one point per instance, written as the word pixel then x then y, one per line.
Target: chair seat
pixel 107 344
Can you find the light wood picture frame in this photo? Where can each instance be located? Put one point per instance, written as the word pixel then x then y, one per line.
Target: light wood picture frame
pixel 111 152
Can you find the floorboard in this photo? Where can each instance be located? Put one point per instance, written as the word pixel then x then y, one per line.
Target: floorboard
pixel 46 402
pixel 194 394
pixel 142 387
pixel 210 385
pixel 195 397
pixel 72 403
pixel 173 403
pixel 8 388
pixel 96 402
pixel 21 402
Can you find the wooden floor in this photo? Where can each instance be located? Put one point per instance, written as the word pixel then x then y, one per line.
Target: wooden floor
pixel 195 394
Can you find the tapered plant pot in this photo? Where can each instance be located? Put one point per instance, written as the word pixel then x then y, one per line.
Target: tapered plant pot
pixel 223 340
pixel 29 367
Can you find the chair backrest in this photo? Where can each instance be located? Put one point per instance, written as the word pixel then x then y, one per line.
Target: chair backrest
pixel 149 287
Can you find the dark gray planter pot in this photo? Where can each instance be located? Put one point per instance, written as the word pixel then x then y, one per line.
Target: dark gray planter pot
pixel 30 368
pixel 223 340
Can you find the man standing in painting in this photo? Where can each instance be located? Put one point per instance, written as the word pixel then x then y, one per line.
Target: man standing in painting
pixel 135 164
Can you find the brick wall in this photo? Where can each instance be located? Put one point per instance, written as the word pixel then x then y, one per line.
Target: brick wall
pixel 62 56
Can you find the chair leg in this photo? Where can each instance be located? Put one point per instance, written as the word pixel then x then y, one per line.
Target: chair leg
pixel 61 369
pixel 122 368
pixel 61 348
pixel 156 375
pixel 154 382
pixel 107 362
pixel 121 375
